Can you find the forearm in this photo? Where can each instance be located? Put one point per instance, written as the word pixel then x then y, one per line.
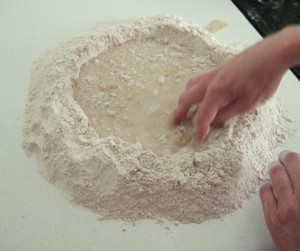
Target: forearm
pixel 288 46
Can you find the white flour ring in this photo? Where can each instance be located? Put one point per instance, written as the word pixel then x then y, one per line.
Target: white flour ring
pixel 119 179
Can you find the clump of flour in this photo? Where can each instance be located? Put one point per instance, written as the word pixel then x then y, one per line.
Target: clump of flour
pixel 98 121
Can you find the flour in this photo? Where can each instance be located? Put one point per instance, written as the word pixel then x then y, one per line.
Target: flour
pixel 98 121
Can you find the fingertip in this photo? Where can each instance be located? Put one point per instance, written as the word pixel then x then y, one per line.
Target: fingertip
pixel 178 115
pixel 202 121
pixel 266 187
pixel 273 165
pixel 176 121
pixel 283 153
pixel 202 133
pixel 267 196
pixel 218 124
pixel 288 156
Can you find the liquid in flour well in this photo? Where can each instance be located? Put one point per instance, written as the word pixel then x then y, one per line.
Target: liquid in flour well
pixel 132 96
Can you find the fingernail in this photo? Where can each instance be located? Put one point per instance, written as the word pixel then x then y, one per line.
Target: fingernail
pixel 282 154
pixel 274 163
pixel 266 181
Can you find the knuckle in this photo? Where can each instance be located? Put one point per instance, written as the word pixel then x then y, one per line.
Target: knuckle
pixel 248 104
pixel 274 222
pixel 216 89
pixel 287 215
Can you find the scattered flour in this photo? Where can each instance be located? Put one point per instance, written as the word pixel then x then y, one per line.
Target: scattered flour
pixel 98 116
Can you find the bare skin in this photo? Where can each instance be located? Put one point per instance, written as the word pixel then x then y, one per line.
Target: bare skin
pixel 236 87
pixel 240 84
pixel 281 201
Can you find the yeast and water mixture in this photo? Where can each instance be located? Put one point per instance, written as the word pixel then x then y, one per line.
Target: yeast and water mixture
pixel 131 90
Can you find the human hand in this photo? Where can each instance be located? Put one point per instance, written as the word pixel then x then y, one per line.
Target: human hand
pixel 281 201
pixel 234 88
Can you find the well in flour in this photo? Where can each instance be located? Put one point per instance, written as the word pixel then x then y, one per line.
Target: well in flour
pixel 98 115
pixel 139 106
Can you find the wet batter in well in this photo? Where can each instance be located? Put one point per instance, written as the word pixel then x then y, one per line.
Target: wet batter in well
pixel 131 90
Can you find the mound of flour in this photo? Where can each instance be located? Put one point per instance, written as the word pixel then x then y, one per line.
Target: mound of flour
pixel 97 122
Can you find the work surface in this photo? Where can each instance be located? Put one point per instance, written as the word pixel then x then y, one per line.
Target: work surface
pixel 34 215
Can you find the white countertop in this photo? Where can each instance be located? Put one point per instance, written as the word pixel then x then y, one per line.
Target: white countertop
pixel 34 215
